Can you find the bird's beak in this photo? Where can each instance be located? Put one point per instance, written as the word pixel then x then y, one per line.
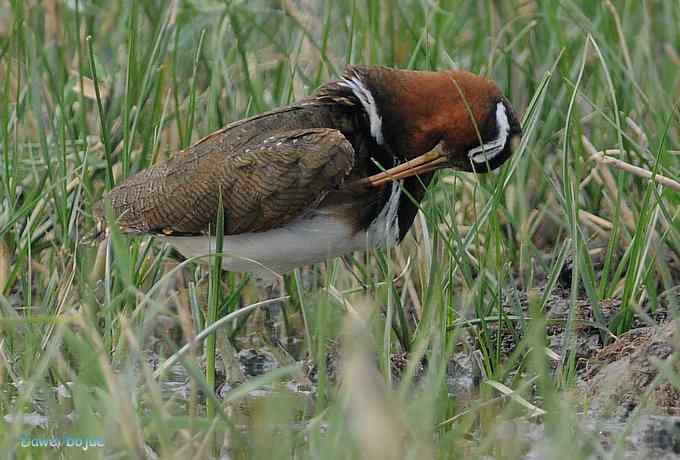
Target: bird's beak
pixel 430 161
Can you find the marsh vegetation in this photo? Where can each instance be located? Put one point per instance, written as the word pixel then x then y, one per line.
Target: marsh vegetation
pixel 530 313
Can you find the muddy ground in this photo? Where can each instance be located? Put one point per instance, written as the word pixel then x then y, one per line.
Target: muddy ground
pixel 622 383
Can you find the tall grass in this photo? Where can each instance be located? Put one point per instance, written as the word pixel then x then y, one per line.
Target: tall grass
pixel 92 92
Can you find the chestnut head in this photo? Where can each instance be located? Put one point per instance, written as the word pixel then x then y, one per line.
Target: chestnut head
pixel 482 126
pixel 436 120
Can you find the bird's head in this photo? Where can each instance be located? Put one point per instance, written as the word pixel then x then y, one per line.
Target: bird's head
pixel 435 120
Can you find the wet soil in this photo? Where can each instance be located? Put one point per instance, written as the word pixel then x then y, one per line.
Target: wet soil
pixel 621 392
pixel 626 387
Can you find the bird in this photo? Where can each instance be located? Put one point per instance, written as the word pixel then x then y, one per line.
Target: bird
pixel 340 171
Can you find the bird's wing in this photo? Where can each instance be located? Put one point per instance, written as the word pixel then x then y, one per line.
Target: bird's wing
pixel 263 185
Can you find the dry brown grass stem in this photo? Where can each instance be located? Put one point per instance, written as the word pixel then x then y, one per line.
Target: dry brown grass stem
pixel 597 223
pixel 639 132
pixel 4 265
pixel 622 37
pixel 603 158
pixel 607 178
pixel 411 290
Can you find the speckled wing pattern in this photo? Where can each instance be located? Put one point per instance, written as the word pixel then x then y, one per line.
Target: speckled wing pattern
pixel 264 184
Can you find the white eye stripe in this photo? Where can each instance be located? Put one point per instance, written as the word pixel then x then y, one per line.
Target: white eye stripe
pixel 486 152
pixel 368 102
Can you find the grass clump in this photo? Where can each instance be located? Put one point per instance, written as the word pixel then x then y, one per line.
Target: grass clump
pixel 501 275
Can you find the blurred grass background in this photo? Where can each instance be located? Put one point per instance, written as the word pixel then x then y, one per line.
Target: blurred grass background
pixel 93 91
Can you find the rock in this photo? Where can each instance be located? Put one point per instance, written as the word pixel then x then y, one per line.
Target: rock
pixel 627 372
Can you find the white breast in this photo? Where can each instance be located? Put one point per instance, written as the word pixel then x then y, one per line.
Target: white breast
pixel 318 236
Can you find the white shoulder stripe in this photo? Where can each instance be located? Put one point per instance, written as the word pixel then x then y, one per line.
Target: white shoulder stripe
pixel 366 98
pixel 486 152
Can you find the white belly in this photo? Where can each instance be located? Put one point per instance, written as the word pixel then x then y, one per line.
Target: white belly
pixel 304 241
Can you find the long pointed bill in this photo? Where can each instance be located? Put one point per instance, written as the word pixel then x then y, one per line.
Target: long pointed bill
pixel 430 161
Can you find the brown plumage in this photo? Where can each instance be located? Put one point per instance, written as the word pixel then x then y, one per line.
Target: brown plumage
pixel 264 183
pixel 309 168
